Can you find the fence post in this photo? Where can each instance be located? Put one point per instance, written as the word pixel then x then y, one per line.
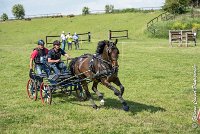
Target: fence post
pixel 89 36
pixel 127 33
pixel 46 41
pixel 110 34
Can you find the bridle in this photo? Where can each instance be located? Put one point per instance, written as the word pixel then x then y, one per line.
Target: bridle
pixel 109 51
pixel 107 64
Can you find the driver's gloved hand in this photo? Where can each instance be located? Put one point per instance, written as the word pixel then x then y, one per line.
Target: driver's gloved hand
pixel 31 73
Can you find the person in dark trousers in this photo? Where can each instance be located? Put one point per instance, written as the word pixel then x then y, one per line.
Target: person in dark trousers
pixel 76 43
pixel 63 38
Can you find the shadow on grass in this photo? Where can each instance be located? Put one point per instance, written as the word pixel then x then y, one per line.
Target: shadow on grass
pixel 72 98
pixel 135 107
pixel 110 103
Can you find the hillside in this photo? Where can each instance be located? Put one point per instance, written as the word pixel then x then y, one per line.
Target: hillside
pixel 98 25
pixel 157 80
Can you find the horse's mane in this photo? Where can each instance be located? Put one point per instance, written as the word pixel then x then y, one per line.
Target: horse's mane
pixel 100 47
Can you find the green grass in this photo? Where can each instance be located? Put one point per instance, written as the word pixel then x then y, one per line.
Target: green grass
pixel 157 80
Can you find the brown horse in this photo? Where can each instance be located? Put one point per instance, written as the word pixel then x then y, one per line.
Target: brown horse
pixel 100 67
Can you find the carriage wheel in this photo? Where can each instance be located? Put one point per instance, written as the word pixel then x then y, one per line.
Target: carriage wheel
pixel 45 94
pixel 31 89
pixel 80 93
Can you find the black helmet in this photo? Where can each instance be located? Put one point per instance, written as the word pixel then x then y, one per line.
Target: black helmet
pixel 41 42
pixel 56 42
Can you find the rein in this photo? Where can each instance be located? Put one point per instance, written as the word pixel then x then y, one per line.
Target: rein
pixel 102 60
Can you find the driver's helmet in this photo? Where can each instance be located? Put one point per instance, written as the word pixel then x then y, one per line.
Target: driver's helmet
pixel 56 42
pixel 41 42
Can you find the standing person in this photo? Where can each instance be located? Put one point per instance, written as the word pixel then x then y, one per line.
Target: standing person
pixel 76 43
pixel 69 41
pixel 63 38
pixel 54 58
pixel 38 56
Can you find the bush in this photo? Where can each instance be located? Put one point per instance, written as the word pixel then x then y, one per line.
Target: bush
pixel 178 26
pixel 162 28
pixel 131 10
pixel 196 26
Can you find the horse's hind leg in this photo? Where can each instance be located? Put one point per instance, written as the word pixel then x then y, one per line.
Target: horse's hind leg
pixel 117 93
pixel 94 88
pixel 85 87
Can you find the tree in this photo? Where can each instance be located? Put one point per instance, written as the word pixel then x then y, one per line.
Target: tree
pixel 176 6
pixel 18 11
pixel 194 3
pixel 4 17
pixel 85 10
pixel 109 8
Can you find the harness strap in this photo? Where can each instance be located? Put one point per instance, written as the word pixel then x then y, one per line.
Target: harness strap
pixel 91 65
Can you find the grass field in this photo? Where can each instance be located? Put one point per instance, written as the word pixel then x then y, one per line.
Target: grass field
pixel 157 78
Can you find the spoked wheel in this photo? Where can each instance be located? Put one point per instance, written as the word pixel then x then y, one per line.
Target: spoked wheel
pixel 31 89
pixel 80 93
pixel 45 94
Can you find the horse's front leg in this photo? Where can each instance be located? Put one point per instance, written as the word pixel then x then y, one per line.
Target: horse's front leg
pixel 94 88
pixel 118 83
pixel 117 93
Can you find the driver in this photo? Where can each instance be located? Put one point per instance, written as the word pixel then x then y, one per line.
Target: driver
pixel 38 56
pixel 54 58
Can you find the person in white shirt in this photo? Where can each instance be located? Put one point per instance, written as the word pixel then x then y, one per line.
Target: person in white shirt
pixel 63 38
pixel 75 38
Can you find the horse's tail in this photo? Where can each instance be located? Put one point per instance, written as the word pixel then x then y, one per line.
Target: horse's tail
pixel 72 65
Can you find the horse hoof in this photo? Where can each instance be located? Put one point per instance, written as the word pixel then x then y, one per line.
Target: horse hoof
pixel 102 102
pixel 126 108
pixel 95 107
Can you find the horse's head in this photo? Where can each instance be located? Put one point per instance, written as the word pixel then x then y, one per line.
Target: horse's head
pixel 111 52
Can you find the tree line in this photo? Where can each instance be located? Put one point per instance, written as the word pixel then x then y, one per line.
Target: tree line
pixel 179 6
pixel 171 6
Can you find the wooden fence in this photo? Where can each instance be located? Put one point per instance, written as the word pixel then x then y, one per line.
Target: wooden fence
pixel 182 36
pixel 119 31
pixel 80 37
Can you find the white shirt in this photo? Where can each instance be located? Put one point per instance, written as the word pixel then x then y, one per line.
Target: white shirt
pixel 63 36
pixel 75 37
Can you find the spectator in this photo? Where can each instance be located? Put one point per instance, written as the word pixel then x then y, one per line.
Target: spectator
pixel 69 41
pixel 63 38
pixel 75 38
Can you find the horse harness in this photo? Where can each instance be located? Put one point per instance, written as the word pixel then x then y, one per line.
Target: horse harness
pixel 99 73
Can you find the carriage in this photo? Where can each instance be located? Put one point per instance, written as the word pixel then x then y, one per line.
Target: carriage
pixel 46 86
pixel 66 82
